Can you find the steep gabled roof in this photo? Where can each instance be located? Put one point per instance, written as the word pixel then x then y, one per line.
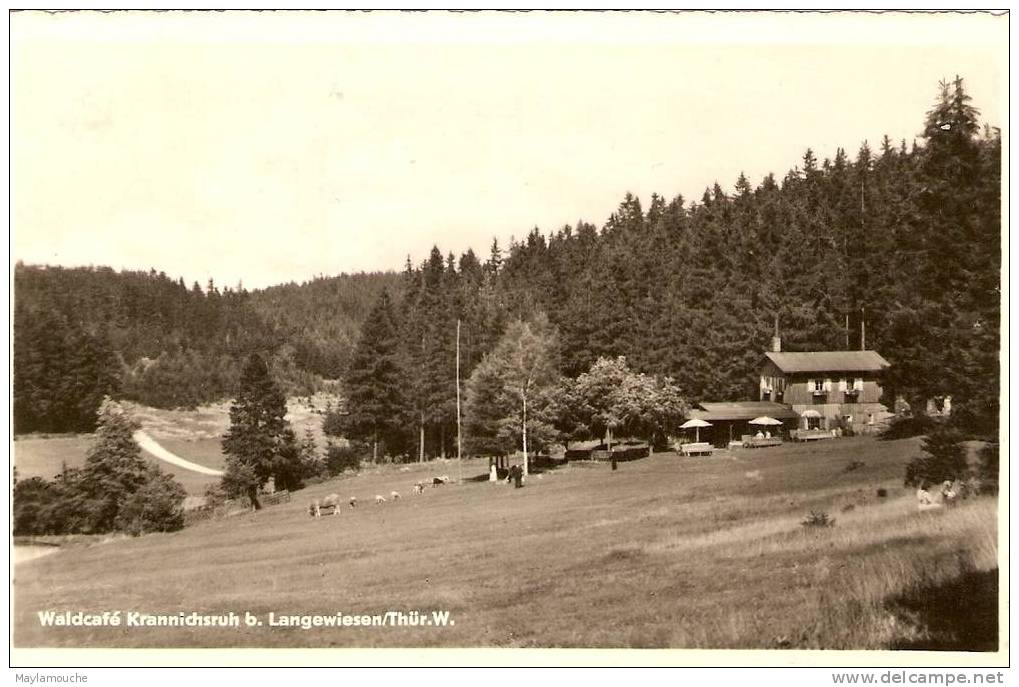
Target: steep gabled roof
pixel 743 410
pixel 829 361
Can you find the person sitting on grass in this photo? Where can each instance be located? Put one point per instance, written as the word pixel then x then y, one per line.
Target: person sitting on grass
pixel 924 500
pixel 948 493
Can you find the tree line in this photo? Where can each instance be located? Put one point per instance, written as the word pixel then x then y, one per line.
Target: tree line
pixel 83 333
pixel 896 247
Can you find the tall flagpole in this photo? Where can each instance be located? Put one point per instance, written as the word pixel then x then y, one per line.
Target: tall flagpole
pixel 459 456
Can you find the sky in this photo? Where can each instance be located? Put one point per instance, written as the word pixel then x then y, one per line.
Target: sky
pixel 262 148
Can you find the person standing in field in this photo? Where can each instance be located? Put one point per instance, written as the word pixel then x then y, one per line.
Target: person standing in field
pixel 518 476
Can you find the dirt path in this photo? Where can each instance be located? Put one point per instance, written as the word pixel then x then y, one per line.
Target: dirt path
pixel 150 446
pixel 25 553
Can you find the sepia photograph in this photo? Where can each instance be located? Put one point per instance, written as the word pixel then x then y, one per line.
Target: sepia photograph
pixel 656 330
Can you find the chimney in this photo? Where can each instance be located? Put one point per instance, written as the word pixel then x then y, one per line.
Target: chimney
pixel 863 329
pixel 776 341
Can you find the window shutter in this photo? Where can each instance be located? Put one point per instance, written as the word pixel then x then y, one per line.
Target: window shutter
pixel 858 383
pixel 810 385
pixel 842 384
pixel 827 384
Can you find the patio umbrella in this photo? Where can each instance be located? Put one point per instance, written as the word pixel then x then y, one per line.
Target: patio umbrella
pixel 696 424
pixel 808 414
pixel 765 420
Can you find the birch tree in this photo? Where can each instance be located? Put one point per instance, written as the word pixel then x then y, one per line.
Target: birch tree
pixel 514 383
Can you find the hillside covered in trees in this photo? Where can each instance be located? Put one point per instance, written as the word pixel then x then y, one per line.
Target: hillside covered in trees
pixel 902 237
pixel 80 333
pixel 898 244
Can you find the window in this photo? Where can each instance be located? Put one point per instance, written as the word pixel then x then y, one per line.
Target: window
pixel 818 385
pixel 852 388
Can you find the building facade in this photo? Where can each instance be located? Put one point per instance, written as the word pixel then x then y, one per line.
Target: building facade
pixel 827 389
pixel 730 421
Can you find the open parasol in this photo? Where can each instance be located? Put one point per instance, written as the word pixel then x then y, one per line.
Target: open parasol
pixel 696 425
pixel 765 420
pixel 808 414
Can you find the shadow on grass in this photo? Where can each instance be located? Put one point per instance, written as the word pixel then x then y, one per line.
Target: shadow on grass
pixel 958 615
pixel 538 465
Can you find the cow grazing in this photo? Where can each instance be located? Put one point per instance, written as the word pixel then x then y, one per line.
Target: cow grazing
pixel 439 481
pixel 331 501
pixel 379 499
pixel 419 488
pixel 353 502
pixel 395 495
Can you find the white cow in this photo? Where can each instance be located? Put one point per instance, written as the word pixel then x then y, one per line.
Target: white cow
pixel 331 501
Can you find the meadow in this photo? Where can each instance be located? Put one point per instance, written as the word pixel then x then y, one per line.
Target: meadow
pixel 665 552
pixel 195 435
pixel 46 456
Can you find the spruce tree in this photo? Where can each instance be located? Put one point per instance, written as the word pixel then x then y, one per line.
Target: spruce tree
pixel 259 443
pixel 376 408
pixel 114 470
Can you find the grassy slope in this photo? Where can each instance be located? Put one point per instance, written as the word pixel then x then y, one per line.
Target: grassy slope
pixel 697 552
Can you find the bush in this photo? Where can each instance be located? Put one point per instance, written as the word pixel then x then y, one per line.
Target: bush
pixel 906 426
pixel 214 495
pixel 332 423
pixel 32 500
pixel 988 469
pixel 845 427
pixel 817 518
pixel 977 417
pixel 341 458
pixel 943 459
pixel 882 493
pixel 158 506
